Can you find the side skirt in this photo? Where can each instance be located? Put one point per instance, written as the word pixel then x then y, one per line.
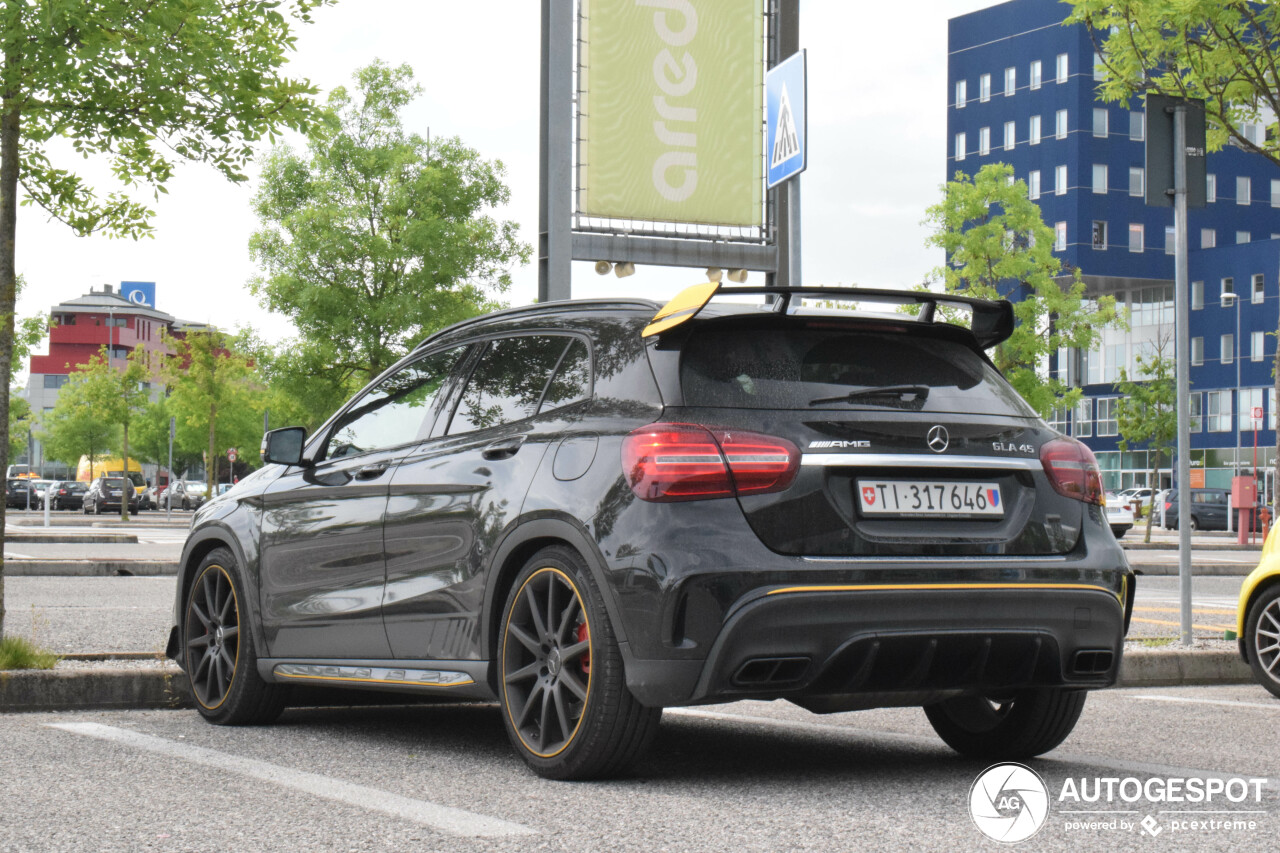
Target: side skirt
pixel 460 679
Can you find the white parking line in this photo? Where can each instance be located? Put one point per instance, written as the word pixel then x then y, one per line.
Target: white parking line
pixel 444 818
pixel 9 555
pixel 1275 706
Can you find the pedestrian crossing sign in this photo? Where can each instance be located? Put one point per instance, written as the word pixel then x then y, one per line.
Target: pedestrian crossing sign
pixel 786 121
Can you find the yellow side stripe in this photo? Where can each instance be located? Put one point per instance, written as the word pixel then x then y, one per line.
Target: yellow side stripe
pixel 939 586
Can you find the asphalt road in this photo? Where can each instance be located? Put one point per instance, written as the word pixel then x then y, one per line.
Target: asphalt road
pixel 744 777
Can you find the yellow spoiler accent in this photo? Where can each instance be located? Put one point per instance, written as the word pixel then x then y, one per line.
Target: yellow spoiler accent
pixel 685 306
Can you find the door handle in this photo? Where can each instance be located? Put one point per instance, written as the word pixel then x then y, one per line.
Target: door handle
pixel 504 449
pixel 371 472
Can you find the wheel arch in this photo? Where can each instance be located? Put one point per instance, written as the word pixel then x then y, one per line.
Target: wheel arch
pixel 199 546
pixel 525 539
pixel 1259 582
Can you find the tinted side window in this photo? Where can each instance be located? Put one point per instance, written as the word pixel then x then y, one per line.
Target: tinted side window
pixel 395 411
pixel 572 381
pixel 507 383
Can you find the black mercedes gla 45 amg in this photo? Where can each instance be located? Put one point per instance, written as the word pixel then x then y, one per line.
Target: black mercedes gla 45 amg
pixel 587 513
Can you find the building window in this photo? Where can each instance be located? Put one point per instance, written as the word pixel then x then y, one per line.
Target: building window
pixel 1099 235
pixel 959 147
pixel 1259 287
pixel 1228 353
pixel 1275 193
pixel 1107 423
pixel 1136 182
pixel 1243 237
pixel 1247 400
pixel 1135 236
pixel 1197 295
pixel 1033 134
pixel 1228 286
pixel 1060 124
pixel 1170 240
pixel 984 88
pixel 1244 189
pixel 1036 68
pixel 1060 236
pixel 1218 410
pixel 1084 418
pixel 1208 238
pixel 1099 121
pixel 1010 81
pixel 55 380
pixel 1010 135
pixel 1062 68
pixel 1197 351
pixel 1060 180
pixel 1100 178
pixel 962 93
pixel 1033 184
pixel 1210 187
pixel 117 322
pixel 1058 420
pixel 1194 409
pixel 1137 126
pixel 1099 67
pixel 1257 341
pixel 984 142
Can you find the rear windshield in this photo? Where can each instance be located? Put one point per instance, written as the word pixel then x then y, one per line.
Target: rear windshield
pixel 801 368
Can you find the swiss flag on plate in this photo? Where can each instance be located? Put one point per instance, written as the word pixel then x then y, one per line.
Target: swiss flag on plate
pixel 869 495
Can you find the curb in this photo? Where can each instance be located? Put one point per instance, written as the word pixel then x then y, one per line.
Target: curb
pixel 70 538
pixel 1176 668
pixel 163 685
pixel 88 568
pixel 1197 569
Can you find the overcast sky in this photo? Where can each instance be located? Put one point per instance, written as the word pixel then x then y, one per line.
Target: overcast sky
pixel 877 122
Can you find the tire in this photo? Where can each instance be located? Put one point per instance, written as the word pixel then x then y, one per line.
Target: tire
pixel 218 656
pixel 1027 724
pixel 1195 523
pixel 1262 639
pixel 565 701
pixel 185 505
pixel 1119 531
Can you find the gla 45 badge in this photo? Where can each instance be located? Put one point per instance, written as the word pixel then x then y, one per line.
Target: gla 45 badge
pixel 1010 447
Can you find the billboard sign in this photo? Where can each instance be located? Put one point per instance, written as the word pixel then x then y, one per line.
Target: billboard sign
pixel 786 118
pixel 670 98
pixel 139 292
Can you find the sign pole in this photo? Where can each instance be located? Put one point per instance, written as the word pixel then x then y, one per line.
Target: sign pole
pixel 1182 320
pixel 168 500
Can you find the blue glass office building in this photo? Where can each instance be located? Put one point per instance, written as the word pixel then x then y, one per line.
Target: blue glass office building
pixel 1021 90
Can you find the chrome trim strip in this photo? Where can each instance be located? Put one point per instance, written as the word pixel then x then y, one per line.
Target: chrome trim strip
pixel 917 460
pixel 374 675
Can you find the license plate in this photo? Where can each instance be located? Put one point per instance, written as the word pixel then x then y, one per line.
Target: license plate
pixel 115 494
pixel 928 498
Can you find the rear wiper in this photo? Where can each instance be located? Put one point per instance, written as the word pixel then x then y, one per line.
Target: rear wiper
pixel 916 393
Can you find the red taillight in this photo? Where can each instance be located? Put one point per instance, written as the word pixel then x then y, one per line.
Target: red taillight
pixel 1072 470
pixel 688 462
pixel 1168 505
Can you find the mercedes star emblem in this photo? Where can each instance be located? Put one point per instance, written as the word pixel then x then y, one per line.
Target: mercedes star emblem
pixel 938 439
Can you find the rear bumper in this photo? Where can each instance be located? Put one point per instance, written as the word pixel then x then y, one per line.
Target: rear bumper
pixel 841 648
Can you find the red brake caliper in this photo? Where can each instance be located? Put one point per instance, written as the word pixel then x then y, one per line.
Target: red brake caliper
pixel 586 659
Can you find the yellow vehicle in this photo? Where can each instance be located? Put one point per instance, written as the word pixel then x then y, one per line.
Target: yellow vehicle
pixel 110 467
pixel 1258 616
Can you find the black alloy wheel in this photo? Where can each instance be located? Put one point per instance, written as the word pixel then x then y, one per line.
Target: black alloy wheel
pixel 218 653
pixel 566 706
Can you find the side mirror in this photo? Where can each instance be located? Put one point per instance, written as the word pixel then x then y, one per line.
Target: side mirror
pixel 284 446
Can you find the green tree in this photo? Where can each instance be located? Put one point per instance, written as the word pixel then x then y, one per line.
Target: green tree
pixel 122 399
pixel 374 239
pixel 142 83
pixel 20 421
pixel 215 397
pixel 998 247
pixel 1147 413
pixel 27 333
pixel 1224 51
pixel 78 426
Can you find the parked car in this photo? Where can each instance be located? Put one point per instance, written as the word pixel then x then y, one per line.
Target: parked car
pixel 1119 515
pixel 1141 494
pixel 20 494
pixel 589 511
pixel 147 498
pixel 66 494
pixel 1258 616
pixel 1208 510
pixel 184 494
pixel 106 494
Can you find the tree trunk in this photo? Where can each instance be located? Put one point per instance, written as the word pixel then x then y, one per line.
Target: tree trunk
pixel 1152 484
pixel 213 458
pixel 128 484
pixel 9 125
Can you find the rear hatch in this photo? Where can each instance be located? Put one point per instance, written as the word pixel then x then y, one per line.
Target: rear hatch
pixel 910 443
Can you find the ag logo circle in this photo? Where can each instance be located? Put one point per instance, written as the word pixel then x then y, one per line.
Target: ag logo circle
pixel 1009 803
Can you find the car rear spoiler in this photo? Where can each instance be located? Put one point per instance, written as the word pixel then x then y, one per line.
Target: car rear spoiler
pixel 992 318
